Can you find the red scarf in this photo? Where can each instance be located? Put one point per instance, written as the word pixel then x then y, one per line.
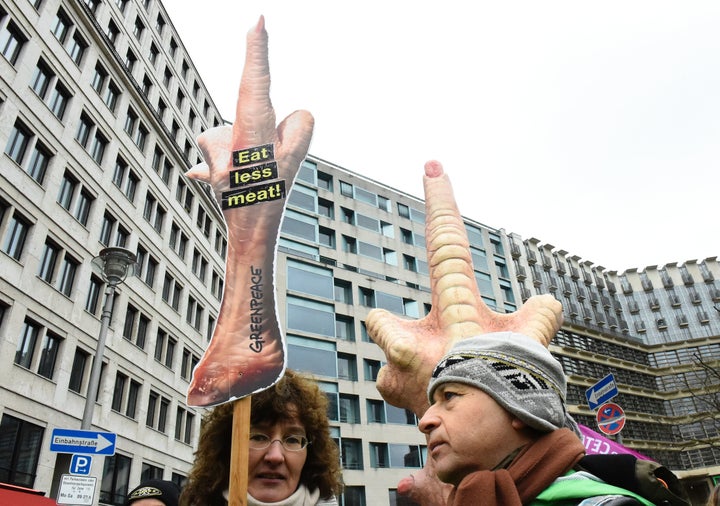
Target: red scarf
pixel 535 467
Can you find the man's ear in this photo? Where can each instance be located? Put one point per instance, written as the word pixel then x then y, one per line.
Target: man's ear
pixel 518 424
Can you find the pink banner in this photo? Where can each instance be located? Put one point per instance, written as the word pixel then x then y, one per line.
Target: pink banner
pixel 597 444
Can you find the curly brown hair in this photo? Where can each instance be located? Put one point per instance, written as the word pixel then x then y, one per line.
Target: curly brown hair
pixel 209 476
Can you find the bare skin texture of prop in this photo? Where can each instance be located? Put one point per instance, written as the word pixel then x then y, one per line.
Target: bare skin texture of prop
pixel 250 166
pixel 414 347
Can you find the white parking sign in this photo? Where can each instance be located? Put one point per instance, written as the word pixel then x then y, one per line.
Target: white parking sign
pixel 78 490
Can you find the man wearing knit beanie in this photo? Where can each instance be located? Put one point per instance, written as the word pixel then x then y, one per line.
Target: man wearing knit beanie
pixel 154 493
pixel 498 430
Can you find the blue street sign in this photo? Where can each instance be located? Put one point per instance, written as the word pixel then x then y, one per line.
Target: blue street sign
pixel 86 442
pixel 80 464
pixel 601 392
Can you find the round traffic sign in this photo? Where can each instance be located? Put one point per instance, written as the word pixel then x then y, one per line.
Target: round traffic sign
pixel 610 418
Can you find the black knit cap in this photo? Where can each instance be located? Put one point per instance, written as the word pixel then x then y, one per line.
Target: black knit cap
pixel 166 491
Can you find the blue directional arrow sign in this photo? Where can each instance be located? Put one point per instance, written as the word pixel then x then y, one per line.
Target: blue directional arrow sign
pixel 86 442
pixel 601 392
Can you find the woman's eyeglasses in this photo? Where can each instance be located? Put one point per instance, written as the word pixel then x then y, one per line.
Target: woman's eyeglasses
pixel 259 441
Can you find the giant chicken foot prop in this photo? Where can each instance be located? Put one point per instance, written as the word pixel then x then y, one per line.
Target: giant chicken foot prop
pixel 251 167
pixel 414 347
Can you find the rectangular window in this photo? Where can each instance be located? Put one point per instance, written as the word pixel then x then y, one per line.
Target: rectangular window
pixel 112 94
pixel 83 131
pixel 77 373
pixel 26 344
pixel 20 450
pixel 82 207
pixel 97 147
pixel 99 78
pixel 312 355
pixel 310 316
pixel 12 40
pixel 77 47
pixel 61 26
pixel 66 276
pixel 67 190
pixel 309 279
pixel 115 481
pixel 18 142
pixel 49 261
pixel 121 381
pixel 15 236
pixel 93 296
pixel 349 408
pixel 39 161
pixel 41 79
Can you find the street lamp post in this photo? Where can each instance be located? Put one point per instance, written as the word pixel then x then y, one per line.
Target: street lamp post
pixel 114 265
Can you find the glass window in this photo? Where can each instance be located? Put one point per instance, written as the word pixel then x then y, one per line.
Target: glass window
pixel 20 450
pixel 76 48
pixel 48 261
pixel 18 142
pixel 347 366
pixel 375 411
pixel 41 79
pixel 66 277
pixel 310 316
pixel 349 408
pixel 83 131
pixel 67 190
pixel 343 291
pixel 82 208
pixel 93 296
pixel 77 373
pixel 326 208
pixel 61 26
pixel 15 236
pixel 99 77
pixel 344 327
pixel 379 455
pixel 369 250
pixel 404 456
pixel 312 355
pixel 112 93
pixel 310 279
pixel 351 455
pixel 304 198
pixel 390 302
pixel 11 42
pixel 371 369
pixel 399 415
pixel 115 479
pixel 300 225
pixel 367 222
pixel 307 172
pixel 39 161
pixel 26 344
pixel 324 181
pixel 59 100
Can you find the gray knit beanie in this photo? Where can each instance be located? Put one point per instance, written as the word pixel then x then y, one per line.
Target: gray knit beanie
pixel 515 370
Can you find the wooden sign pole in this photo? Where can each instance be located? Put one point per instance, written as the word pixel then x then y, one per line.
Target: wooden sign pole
pixel 239 451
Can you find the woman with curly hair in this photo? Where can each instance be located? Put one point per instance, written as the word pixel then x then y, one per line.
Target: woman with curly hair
pixel 292 462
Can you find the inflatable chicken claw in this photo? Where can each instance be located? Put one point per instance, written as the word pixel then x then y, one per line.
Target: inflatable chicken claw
pixel 250 166
pixel 414 347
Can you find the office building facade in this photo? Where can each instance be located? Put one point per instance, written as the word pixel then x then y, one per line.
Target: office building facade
pixel 100 107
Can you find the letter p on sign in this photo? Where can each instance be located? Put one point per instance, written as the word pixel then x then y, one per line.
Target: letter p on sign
pixel 80 464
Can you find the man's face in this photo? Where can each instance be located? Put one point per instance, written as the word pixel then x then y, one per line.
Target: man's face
pixel 468 431
pixel 274 473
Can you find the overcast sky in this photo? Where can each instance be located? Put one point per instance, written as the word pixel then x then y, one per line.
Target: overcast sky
pixel 593 127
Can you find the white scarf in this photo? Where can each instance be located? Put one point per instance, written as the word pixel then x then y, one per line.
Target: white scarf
pixel 301 497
